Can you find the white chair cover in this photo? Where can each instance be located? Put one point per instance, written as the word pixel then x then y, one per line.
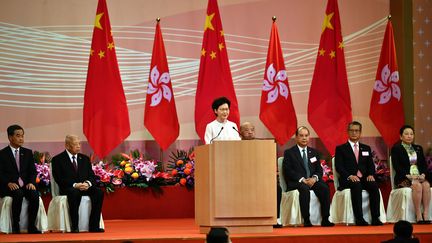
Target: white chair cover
pixel 6 216
pixel 400 205
pixel 290 213
pixel 58 212
pixel 341 207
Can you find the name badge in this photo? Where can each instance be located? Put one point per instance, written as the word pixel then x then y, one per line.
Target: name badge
pixel 313 160
pixel 365 153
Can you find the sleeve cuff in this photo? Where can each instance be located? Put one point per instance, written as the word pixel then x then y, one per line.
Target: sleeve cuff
pixel 301 179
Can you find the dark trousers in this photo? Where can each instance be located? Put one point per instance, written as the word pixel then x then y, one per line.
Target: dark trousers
pixel 74 200
pixel 322 192
pixel 356 197
pixel 17 197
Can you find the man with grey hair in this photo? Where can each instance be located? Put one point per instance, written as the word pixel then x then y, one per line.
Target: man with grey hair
pixel 73 173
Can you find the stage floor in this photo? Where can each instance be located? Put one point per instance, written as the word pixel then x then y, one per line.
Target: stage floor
pixel 185 230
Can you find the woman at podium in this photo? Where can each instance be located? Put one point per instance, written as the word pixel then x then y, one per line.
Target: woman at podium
pixel 221 128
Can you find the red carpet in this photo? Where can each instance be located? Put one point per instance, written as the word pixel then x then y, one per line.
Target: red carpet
pixel 185 231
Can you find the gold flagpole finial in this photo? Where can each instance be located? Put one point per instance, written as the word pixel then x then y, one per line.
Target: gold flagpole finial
pixel 158 19
pixel 274 18
pixel 389 16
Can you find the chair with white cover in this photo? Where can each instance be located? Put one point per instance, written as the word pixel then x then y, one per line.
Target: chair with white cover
pixel 6 216
pixel 400 205
pixel 290 213
pixel 341 207
pixel 58 212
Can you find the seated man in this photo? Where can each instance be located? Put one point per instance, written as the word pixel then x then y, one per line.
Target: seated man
pixel 247 132
pixel 73 173
pixel 302 171
pixel 353 161
pixel 18 178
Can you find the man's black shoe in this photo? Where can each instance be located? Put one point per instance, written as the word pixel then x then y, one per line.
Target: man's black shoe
pixel 376 222
pixel 97 230
pixel 361 222
pixel 74 231
pixel 307 223
pixel 326 223
pixel 34 230
pixel 277 226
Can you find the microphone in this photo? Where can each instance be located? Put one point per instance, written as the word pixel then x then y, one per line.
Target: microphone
pixel 216 135
pixel 233 127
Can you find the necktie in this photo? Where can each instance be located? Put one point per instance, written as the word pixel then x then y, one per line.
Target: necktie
pixel 74 163
pixel 306 163
pixel 356 153
pixel 17 161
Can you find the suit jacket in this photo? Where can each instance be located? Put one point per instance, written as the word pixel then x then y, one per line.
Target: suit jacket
pixel 64 172
pixel 347 165
pixel 9 170
pixel 401 163
pixel 293 166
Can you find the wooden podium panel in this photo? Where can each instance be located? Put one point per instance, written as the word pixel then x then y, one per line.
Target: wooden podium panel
pixel 235 185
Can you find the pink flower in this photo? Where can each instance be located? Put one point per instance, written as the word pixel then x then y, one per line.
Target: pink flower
pixel 117 181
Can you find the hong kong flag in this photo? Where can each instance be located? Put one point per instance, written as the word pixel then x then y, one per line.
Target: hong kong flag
pixel 386 107
pixel 277 110
pixel 160 117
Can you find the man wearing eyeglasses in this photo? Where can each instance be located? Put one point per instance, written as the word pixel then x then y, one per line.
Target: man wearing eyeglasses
pixel 356 168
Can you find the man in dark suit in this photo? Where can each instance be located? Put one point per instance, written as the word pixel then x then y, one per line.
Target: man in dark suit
pixel 356 168
pixel 302 171
pixel 73 173
pixel 18 178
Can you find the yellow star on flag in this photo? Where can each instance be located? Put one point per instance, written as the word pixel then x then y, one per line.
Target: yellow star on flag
pixel 221 46
pixel 101 54
pixel 208 24
pixel 322 52
pixel 222 33
pixel 341 45
pixel 213 55
pixel 203 52
pixel 97 23
pixel 332 54
pixel 327 22
pixel 110 46
pixel 91 52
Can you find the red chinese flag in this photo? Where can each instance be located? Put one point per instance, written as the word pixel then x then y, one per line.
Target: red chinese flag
pixel 106 117
pixel 277 110
pixel 386 108
pixel 160 116
pixel 329 108
pixel 214 78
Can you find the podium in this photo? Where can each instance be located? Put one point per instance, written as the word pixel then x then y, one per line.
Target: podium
pixel 235 186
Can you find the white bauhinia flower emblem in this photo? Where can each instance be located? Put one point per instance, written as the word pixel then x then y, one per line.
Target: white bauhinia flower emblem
pixel 275 85
pixel 388 85
pixel 158 87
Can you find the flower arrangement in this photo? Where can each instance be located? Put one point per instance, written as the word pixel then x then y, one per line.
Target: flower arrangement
pixel 182 167
pixel 42 164
pixel 327 171
pixel 382 171
pixel 130 170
